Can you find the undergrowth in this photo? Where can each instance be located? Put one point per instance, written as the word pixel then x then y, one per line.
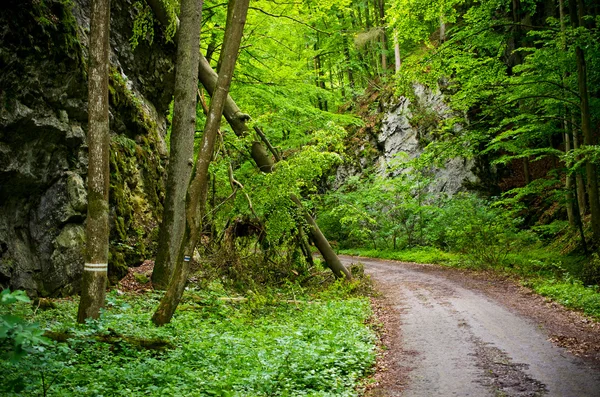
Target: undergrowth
pixel 279 342
pixel 414 254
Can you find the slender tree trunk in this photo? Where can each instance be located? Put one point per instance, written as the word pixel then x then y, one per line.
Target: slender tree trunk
pixel 196 198
pixel 526 171
pixel 578 177
pixel 380 10
pixel 442 28
pixel 569 181
pixel 95 268
pixel 182 142
pixel 398 61
pixel 331 259
pixel 589 137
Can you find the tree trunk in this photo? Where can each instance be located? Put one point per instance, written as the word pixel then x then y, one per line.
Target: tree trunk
pixel 569 181
pixel 581 202
pixel 235 118
pixel 398 61
pixel 95 270
pixel 331 259
pixel 182 142
pixel 196 197
pixel 586 128
pixel 526 172
pixel 588 139
pixel 442 29
pixel 380 10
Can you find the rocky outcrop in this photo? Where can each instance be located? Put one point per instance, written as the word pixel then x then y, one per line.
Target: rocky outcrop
pixel 404 129
pixel 43 152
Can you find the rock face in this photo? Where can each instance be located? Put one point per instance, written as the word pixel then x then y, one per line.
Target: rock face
pixel 43 152
pixel 405 129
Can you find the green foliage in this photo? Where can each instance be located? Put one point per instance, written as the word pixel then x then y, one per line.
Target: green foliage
pixel 17 335
pixel 470 225
pixel 570 293
pixel 381 211
pixel 143 25
pixel 415 254
pixel 261 346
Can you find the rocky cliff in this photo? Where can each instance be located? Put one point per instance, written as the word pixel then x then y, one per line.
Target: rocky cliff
pixel 402 126
pixel 43 153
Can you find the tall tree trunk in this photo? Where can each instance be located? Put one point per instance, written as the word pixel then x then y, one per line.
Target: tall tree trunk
pixel 442 28
pixel 95 269
pixel 526 171
pixel 581 202
pixel 569 181
pixel 196 197
pixel 398 60
pixel 589 137
pixel 182 142
pixel 331 259
pixel 380 11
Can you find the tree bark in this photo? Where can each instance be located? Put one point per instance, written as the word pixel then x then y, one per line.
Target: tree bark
pixel 569 181
pixel 589 137
pixel 95 269
pixel 331 259
pixel 196 198
pixel 581 202
pixel 182 142
pixel 398 61
pixel 380 10
pixel 526 172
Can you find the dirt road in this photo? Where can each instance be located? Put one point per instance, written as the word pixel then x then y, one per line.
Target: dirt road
pixel 456 333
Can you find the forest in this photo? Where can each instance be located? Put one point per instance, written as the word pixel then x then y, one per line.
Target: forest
pixel 193 193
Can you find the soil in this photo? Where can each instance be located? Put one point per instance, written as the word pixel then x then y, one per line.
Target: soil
pixel 453 332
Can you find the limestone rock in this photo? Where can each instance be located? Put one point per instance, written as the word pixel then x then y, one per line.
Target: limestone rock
pixel 43 152
pixel 406 128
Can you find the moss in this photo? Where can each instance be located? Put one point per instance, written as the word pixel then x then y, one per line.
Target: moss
pixel 127 103
pixel 141 278
pixel 135 189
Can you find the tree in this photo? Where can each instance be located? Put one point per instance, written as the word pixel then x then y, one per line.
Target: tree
pixel 97 228
pixel 182 142
pixel 197 191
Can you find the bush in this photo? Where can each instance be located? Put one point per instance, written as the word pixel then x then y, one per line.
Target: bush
pixel 17 336
pixel 474 227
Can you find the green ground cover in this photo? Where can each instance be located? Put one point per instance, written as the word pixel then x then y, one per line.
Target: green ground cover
pixel 285 342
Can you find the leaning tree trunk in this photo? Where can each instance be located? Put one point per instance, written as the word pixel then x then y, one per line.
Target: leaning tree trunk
pixel 95 270
pixel 182 142
pixel 196 197
pixel 331 259
pixel 234 116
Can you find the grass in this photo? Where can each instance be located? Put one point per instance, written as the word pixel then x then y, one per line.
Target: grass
pixel 415 254
pixel 271 344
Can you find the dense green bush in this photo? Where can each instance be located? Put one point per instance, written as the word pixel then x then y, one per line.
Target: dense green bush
pixel 470 225
pixel 397 213
pixel 17 335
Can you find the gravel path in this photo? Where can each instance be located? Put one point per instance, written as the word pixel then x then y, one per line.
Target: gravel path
pixel 455 335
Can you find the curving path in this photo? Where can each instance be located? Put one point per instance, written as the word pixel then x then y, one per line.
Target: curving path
pixel 456 339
